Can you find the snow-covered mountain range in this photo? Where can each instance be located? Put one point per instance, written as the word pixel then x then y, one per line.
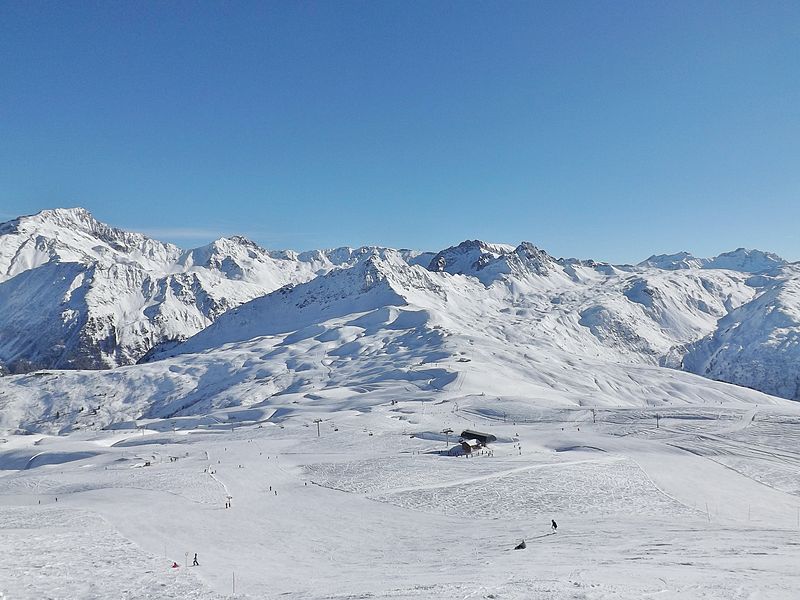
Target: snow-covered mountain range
pixel 233 324
pixel 76 293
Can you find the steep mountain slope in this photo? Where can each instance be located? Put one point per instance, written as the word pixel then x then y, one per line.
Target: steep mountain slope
pixel 757 345
pixel 363 287
pixel 76 293
pixel 469 257
pixel 524 297
pixel 636 317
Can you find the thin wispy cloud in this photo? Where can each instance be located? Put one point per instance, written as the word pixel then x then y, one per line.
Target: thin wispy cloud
pixel 183 233
pixel 267 239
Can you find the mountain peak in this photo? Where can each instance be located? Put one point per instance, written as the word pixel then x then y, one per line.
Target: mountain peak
pixel 526 259
pixel 741 259
pixel 747 261
pixel 73 225
pixel 235 244
pixel 76 213
pixel 74 235
pixel 467 257
pixel 58 217
pixel 76 218
pixel 530 252
pixel 242 241
pixel 674 262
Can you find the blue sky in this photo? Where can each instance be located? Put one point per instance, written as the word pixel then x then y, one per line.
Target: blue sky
pixel 609 130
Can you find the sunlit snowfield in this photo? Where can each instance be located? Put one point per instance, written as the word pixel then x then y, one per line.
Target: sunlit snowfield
pixel 706 505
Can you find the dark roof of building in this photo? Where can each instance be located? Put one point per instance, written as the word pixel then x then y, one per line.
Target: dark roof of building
pixel 478 435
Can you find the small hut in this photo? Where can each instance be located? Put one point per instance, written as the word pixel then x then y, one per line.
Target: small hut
pixel 470 446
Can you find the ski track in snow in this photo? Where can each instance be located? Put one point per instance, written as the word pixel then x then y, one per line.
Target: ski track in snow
pixel 54 553
pixel 392 516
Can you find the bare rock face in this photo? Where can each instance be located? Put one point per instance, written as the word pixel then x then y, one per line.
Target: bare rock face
pixel 468 257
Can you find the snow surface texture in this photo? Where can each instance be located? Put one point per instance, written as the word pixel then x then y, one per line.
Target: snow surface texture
pixel 376 507
pixel 318 411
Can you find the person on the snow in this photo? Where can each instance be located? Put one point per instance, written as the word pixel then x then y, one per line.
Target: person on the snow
pixel 194 562
pixel 553 525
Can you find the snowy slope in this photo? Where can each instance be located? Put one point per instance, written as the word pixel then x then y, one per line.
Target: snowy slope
pixel 758 344
pixel 522 293
pixel 375 506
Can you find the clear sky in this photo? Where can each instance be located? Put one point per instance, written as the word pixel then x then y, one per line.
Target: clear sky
pixel 609 130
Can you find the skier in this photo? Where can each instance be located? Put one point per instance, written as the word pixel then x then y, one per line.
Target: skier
pixel 174 565
pixel 194 562
pixel 553 525
pixel 521 546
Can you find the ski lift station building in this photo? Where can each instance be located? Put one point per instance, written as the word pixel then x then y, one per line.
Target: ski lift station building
pixel 482 438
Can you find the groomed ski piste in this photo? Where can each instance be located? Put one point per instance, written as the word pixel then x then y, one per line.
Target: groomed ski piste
pixel 669 502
